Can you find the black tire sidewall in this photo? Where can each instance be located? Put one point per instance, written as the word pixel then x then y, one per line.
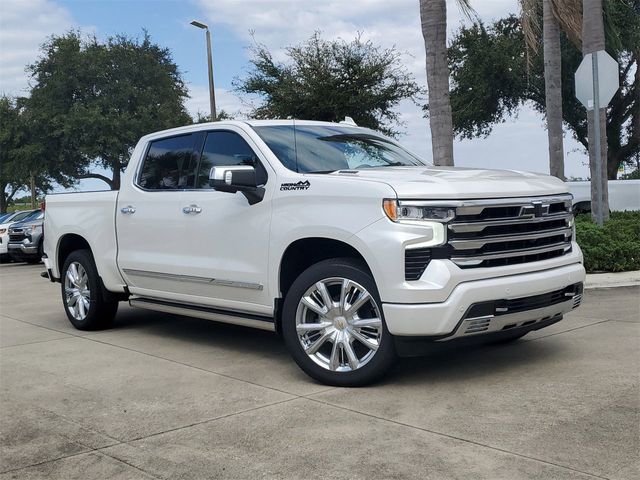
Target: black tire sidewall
pixel 353 270
pixel 100 313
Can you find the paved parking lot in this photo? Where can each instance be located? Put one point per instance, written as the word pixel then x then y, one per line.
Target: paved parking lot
pixel 173 397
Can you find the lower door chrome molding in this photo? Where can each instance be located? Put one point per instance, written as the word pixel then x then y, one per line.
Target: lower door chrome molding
pixel 190 278
pixel 204 312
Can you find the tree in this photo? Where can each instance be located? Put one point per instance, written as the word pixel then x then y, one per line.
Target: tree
pixel 433 17
pixel 593 41
pixel 492 79
pixel 22 165
pixel 93 100
pixel 329 80
pixel 13 177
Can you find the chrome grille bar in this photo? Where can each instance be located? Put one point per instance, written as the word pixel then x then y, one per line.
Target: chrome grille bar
pixel 499 232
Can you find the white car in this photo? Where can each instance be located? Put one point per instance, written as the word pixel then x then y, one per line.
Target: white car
pixel 5 222
pixel 336 237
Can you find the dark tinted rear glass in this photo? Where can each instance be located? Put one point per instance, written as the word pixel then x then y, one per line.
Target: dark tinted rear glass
pixel 168 164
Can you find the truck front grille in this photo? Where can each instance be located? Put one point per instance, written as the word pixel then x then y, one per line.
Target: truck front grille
pixel 16 235
pixel 492 233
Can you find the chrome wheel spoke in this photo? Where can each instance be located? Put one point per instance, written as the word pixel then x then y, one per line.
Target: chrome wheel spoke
pixel 312 327
pixel 315 346
pixel 324 294
pixel 334 359
pixel 366 322
pixel 313 306
pixel 367 342
pixel 363 298
pixel 352 358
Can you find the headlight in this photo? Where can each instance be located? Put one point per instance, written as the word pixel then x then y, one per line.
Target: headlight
pixel 36 228
pixel 3 231
pixel 415 213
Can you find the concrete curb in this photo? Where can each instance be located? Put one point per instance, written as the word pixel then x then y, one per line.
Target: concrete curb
pixel 611 280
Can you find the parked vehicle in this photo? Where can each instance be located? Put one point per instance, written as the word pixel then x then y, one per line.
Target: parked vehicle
pixel 5 222
pixel 623 195
pixel 336 237
pixel 26 238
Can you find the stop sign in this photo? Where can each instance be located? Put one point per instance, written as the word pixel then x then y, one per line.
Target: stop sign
pixel 607 77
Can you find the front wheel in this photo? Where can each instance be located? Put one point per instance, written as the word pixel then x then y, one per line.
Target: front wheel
pixel 82 295
pixel 334 326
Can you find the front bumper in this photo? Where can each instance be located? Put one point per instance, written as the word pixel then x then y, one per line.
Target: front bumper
pixel 449 319
pixel 23 249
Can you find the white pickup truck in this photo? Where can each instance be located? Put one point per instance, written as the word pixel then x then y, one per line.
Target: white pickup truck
pixel 336 237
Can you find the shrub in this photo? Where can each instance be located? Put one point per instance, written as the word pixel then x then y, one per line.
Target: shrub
pixel 613 248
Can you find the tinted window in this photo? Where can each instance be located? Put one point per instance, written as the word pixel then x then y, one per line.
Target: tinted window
pixel 167 165
pixel 224 149
pixel 314 148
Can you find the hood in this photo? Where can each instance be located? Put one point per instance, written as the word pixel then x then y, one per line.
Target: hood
pixel 459 183
pixel 40 221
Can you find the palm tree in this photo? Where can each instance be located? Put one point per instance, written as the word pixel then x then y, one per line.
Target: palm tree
pixel 557 15
pixel 433 16
pixel 553 87
pixel 593 41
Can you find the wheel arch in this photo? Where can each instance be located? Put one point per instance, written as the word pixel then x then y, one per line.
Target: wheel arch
pixel 304 252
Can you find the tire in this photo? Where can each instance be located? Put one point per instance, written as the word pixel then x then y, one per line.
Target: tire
pixel 352 346
pixel 80 281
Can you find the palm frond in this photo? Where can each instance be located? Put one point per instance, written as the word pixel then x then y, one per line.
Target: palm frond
pixel 569 16
pixel 466 9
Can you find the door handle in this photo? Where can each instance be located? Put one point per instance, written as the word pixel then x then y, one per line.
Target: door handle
pixel 128 210
pixel 191 210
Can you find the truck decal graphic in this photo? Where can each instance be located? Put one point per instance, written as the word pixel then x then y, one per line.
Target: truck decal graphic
pixel 296 186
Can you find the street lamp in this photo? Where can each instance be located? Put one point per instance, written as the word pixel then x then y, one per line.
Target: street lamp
pixel 212 95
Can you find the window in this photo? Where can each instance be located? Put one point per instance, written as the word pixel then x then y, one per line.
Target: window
pixel 322 149
pixel 168 164
pixel 224 149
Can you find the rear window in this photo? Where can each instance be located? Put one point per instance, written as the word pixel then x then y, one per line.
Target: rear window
pixel 168 164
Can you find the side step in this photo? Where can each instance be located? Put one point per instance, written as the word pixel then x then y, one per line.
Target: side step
pixel 207 313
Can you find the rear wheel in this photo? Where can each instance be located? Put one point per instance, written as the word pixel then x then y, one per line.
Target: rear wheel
pixel 82 295
pixel 333 324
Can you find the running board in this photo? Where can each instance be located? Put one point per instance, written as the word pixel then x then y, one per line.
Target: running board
pixel 207 313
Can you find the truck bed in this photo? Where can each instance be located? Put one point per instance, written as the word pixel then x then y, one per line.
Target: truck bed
pixel 92 216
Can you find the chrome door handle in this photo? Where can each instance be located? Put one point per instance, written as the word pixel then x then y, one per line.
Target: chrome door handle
pixel 191 209
pixel 128 210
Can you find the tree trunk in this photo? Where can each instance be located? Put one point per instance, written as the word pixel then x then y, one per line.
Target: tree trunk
pixel 433 15
pixel 117 167
pixel 593 41
pixel 3 198
pixel 32 185
pixel 553 89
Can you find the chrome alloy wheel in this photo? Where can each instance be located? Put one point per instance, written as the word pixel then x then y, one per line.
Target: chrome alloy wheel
pixel 76 289
pixel 339 324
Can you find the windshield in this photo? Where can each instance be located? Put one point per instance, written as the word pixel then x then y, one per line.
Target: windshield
pixel 18 216
pixel 323 149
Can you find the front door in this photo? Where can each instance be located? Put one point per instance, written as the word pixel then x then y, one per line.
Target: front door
pixel 224 241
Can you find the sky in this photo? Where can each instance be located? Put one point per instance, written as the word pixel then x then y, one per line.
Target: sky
pixel 520 143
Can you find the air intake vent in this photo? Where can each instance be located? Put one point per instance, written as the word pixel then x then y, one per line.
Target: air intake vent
pixel 416 261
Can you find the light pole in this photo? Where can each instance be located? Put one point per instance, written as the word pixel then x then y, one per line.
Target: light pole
pixel 212 95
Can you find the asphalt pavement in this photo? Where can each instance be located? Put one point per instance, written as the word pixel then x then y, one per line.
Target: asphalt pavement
pixel 160 396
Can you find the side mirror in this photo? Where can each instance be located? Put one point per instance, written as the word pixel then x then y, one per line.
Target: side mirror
pixel 240 178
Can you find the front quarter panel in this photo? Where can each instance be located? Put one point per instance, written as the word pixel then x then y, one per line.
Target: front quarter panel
pixel 321 206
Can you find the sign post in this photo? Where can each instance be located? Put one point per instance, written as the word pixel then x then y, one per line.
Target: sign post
pixel 597 82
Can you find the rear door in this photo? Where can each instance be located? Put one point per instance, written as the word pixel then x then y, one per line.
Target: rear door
pixel 149 215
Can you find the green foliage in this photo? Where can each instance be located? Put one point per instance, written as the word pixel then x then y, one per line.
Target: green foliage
pixel 92 101
pixel 329 80
pixel 493 76
pixel 614 247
